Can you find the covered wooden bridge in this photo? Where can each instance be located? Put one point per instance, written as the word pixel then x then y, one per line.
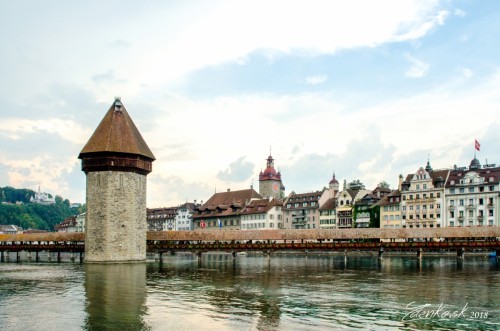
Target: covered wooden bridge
pixel 460 239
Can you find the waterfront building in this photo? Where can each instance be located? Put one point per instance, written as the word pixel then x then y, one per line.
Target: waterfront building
pixel 270 184
pixel 328 205
pixel 161 219
pixel 472 195
pixel 422 198
pixel 10 229
pixel 365 212
pixel 184 216
pixel 116 161
pixel 301 211
pixel 346 200
pixel 74 223
pixel 222 210
pixel 390 210
pixel 262 214
pixel 328 214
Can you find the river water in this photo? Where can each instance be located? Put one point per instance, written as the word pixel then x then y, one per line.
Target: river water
pixel 288 292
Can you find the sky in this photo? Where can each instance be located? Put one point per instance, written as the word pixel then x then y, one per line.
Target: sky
pixel 367 90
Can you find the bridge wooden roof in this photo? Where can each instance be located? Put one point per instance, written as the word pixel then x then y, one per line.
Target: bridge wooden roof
pixel 228 235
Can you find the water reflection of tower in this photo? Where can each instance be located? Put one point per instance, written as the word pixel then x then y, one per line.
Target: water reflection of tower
pixel 116 295
pixel 270 311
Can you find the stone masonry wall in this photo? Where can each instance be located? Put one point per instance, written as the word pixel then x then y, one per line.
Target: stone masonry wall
pixel 116 217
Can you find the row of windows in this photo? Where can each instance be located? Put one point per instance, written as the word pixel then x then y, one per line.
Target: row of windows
pixel 424 196
pixel 424 207
pixel 461 202
pixel 391 217
pixel 471 213
pixel 258 226
pixel 305 198
pixel 424 216
pixel 304 204
pixel 491 188
pixel 470 223
pixel 472 180
pixel 329 221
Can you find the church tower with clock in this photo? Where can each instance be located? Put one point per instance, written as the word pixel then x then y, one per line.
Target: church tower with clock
pixel 270 184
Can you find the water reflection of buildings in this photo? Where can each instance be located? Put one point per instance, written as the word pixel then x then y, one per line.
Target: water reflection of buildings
pixel 116 296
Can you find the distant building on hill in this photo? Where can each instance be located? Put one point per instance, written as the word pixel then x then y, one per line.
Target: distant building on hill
pixel 42 198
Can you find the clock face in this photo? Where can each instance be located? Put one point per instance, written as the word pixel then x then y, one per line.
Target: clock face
pixel 276 187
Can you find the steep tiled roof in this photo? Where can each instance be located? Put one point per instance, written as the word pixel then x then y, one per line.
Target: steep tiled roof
pixel 307 198
pixel 117 133
pixel 329 204
pixel 260 206
pixel 229 197
pixel 227 203
pixel 491 175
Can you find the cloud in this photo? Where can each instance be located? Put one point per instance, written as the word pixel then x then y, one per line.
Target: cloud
pixel 466 73
pixel 107 77
pixel 421 25
pixel 418 68
pixel 120 43
pixel 316 80
pixel 459 12
pixel 16 128
pixel 164 190
pixel 237 171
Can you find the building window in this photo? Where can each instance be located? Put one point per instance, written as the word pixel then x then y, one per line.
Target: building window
pixel 471 190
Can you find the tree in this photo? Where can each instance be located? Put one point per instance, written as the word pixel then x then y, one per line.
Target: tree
pixel 356 185
pixel 383 184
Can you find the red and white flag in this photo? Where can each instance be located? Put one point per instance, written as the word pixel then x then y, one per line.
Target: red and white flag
pixel 477 145
pixel 202 224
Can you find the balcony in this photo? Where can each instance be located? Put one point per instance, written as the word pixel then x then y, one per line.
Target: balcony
pixel 461 218
pixel 491 205
pixel 470 206
pixel 451 207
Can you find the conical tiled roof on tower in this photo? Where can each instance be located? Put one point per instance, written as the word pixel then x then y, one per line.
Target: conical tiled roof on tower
pixel 117 144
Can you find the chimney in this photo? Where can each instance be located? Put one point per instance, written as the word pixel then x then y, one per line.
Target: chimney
pixel 228 189
pixel 400 185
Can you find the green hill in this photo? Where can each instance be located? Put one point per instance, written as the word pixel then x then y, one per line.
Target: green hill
pixel 16 209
